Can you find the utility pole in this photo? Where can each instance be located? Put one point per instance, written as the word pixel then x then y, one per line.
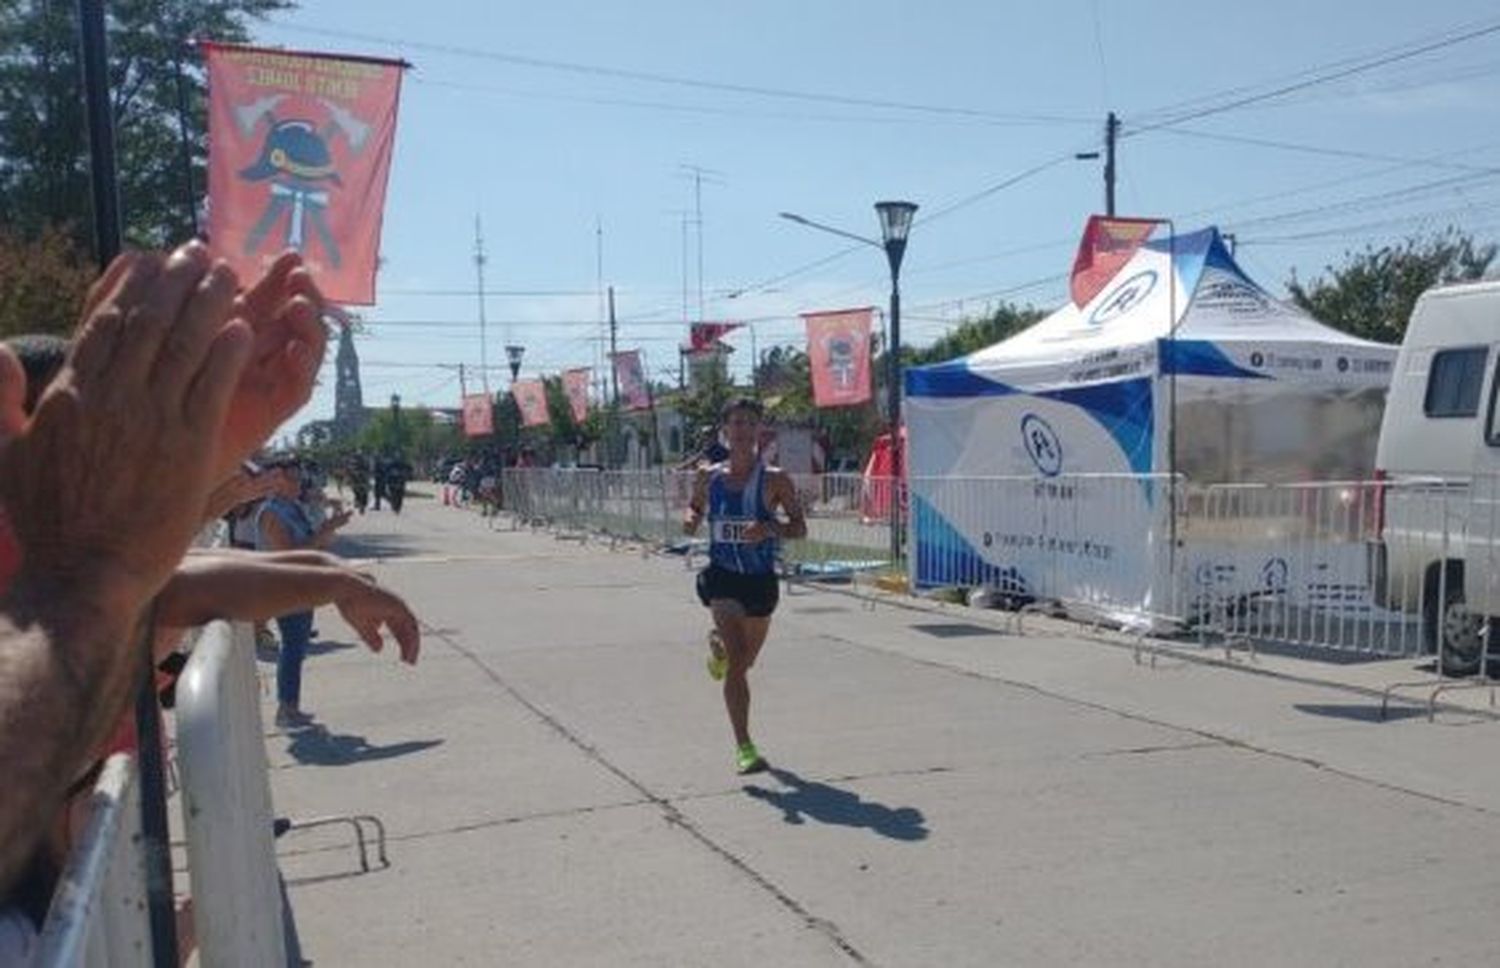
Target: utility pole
pixel 698 221
pixel 599 284
pixel 1111 135
pixel 700 175
pixel 479 260
pixel 614 381
pixel 614 347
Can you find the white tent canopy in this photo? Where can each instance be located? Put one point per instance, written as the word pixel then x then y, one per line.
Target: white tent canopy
pixel 1180 364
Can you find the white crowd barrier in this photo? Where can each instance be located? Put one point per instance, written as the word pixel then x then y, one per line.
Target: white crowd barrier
pixel 1381 568
pixel 848 518
pixel 226 803
pixel 98 914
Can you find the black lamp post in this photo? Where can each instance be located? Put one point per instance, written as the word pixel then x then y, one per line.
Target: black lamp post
pixel 895 225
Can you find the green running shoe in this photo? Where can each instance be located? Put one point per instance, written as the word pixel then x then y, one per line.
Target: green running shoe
pixel 749 760
pixel 718 661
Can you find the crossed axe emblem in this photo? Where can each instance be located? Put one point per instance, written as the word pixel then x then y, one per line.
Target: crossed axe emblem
pixel 296 159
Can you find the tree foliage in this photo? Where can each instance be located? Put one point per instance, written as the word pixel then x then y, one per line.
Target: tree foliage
pixel 42 283
pixel 974 334
pixel 43 139
pixel 413 433
pixel 703 405
pixel 1371 294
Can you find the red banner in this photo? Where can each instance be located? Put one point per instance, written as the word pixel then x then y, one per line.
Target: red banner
pixel 704 337
pixel 479 416
pixel 1107 244
pixel 838 346
pixel 531 399
pixel 299 152
pixel 631 377
pixel 576 387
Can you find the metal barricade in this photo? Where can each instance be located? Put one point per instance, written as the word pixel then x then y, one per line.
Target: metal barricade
pixel 98 914
pixel 1096 546
pixel 1292 564
pixel 226 803
pixel 848 515
pixel 848 530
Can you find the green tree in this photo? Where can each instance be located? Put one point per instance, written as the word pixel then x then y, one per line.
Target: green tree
pixel 1371 294
pixel 704 403
pixel 42 283
pixel 411 432
pixel 43 139
pixel 973 334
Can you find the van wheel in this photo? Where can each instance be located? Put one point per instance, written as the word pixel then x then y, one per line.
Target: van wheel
pixel 1462 631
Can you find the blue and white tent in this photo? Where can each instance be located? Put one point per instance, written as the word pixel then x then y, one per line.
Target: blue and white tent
pixel 1180 365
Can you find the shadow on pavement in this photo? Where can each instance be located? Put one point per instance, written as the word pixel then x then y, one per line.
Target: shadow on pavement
pixel 1327 656
pixel 315 647
pixel 1360 712
pixel 325 646
pixel 828 804
pixel 316 746
pixel 375 546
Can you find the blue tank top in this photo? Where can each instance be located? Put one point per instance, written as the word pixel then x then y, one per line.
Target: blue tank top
pixel 293 518
pixel 729 513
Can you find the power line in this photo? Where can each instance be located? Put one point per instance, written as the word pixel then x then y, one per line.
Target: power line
pixel 999 186
pixel 1357 68
pixel 650 77
pixel 1430 162
pixel 941 212
pixel 1396 196
pixel 1448 215
pixel 712 110
pixel 1325 183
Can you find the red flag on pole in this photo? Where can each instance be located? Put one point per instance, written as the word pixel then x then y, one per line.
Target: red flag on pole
pixel 631 377
pixel 531 399
pixel 838 346
pixel 299 152
pixel 479 417
pixel 576 386
pixel 1107 244
pixel 704 337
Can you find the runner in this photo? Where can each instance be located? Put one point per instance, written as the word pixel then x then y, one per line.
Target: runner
pixel 741 498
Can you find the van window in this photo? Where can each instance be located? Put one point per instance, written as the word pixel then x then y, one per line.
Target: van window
pixel 1492 425
pixel 1454 382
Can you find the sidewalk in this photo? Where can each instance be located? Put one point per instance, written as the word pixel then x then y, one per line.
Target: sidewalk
pixel 556 779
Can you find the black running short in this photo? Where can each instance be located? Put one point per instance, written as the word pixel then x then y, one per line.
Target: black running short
pixel 757 593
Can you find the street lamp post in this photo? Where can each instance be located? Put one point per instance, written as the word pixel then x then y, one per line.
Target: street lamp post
pixel 895 225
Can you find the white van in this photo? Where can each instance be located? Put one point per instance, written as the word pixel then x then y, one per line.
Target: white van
pixel 1437 518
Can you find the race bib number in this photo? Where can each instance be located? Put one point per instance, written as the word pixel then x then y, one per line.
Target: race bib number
pixel 731 530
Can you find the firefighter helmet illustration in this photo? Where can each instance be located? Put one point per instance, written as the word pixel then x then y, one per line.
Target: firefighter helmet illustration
pixel 841 361
pixel 295 157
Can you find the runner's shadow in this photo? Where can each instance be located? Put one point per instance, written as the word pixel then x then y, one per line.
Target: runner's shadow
pixel 831 805
pixel 316 746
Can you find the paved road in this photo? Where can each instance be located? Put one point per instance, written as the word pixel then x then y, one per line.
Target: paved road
pixel 556 777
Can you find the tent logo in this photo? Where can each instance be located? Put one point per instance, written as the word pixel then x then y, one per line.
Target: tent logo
pixel 1125 297
pixel 1274 574
pixel 1042 445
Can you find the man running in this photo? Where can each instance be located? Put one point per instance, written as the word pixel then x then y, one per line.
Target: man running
pixel 741 497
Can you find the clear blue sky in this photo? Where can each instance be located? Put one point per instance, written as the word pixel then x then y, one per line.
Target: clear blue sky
pixel 494 124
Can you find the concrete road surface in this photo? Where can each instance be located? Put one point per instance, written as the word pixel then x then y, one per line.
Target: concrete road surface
pixel 556 777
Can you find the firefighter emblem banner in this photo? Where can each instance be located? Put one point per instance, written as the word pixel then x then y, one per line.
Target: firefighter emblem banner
pixel 299 152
